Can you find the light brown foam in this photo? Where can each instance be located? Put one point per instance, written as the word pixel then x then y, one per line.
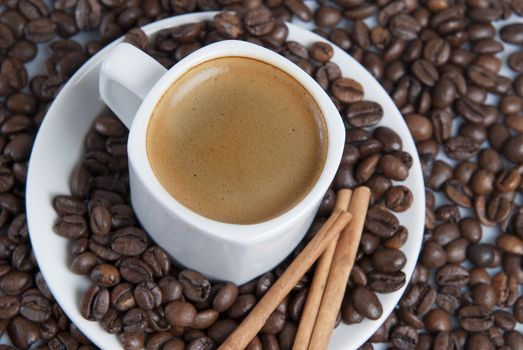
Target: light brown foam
pixel 237 140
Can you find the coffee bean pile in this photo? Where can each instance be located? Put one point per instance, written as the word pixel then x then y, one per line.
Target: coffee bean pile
pixel 137 291
pixel 438 59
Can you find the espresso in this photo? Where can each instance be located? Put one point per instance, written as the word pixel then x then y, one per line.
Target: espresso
pixel 237 140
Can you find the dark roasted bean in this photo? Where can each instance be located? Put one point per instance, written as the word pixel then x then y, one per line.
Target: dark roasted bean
pixel 95 303
pixel 22 332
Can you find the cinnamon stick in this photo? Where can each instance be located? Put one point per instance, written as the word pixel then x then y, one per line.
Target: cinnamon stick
pixel 341 267
pixel 252 324
pixel 317 288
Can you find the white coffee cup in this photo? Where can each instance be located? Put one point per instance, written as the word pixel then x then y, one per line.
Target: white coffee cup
pixel 131 84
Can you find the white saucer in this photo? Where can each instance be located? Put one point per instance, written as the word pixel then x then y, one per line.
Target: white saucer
pixel 59 146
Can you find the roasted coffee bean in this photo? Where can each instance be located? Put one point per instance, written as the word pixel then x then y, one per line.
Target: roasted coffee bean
pixel 18 231
pixel 327 16
pixel 433 255
pixel 366 302
pixel 510 244
pixel 504 320
pixel 364 170
pixel 370 243
pixel 378 185
pixel 393 168
pixel 321 52
pixel 88 14
pixel 386 282
pixel 180 313
pixel 19 147
pixel 389 140
pixel 135 320
pixel 518 309
pixel 477 132
pixel 220 330
pixel 195 286
pixel 499 207
pixel 419 126
pixel 437 320
pixel 171 289
pixel 461 148
pixel 9 307
pixel 228 25
pixel 242 305
pixel 382 334
pixel 132 341
pixel 274 323
pixel 299 9
pixel 484 295
pixel 513 339
pixel 225 298
pixel 515 61
pixel 100 220
pixel 445 233
pixel 470 229
pixel 349 314
pixel 389 260
pixel 404 337
pixel 452 275
pixel 512 33
pixel 364 114
pixel 15 282
pixel 475 318
pixel 340 38
pixel 158 260
pixel 381 222
pixel 122 298
pixel 129 241
pixel 95 303
pixel 347 90
pixel 22 332
pixel 21 103
pixel 148 295
pixel 398 198
pixel 296 304
pixel 447 301
pixel 71 226
pixel 441 172
pixel 14 21
pixel 404 27
pixel 448 212
pixel 206 318
pixel 456 192
pixel 109 126
pixel 505 287
pixel 105 275
pixel 42 286
pixel 456 250
pixel 512 149
pixel 35 307
pixel 258 22
pixel 442 125
pixel 14 74
pixel 135 270
pixel 203 343
pixel 187 33
pixel 40 30
pixel 426 72
pixel 65 205
pixel 265 282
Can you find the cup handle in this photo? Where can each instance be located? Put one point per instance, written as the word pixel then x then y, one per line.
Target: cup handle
pixel 126 76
